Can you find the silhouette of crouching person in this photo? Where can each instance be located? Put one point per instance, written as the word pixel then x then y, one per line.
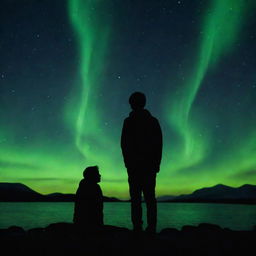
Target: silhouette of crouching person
pixel 88 209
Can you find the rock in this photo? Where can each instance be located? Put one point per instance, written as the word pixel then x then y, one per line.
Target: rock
pixel 189 228
pixel 36 231
pixel 61 227
pixel 169 232
pixel 209 227
pixel 16 230
pixel 62 238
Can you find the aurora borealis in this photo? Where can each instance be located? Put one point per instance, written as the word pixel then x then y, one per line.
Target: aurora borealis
pixel 67 71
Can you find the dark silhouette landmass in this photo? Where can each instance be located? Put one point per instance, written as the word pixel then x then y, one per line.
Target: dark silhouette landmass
pixel 62 239
pixel 246 194
pixel 17 192
pixel 220 194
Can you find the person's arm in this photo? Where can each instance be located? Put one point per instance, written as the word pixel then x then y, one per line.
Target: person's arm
pixel 159 145
pixel 124 139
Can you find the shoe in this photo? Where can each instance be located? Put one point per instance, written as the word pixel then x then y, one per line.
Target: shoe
pixel 150 231
pixel 137 229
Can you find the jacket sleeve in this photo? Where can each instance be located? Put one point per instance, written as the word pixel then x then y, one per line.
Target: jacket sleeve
pixel 124 139
pixel 158 145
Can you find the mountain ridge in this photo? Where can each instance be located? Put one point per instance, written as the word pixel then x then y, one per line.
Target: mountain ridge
pixel 18 192
pixel 221 193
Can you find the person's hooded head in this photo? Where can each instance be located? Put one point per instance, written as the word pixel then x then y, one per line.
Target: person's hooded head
pixel 91 174
pixel 137 100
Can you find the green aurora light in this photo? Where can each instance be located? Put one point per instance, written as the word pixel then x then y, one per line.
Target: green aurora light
pixel 93 28
pixel 193 157
pixel 218 39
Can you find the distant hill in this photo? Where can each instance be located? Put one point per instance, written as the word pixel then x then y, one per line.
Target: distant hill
pixel 59 197
pixel 221 193
pixel 165 198
pixel 17 192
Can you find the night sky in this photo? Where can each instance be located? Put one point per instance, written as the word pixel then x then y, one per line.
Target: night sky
pixel 67 69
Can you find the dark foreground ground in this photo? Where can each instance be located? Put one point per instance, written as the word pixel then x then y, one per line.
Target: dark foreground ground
pixel 62 239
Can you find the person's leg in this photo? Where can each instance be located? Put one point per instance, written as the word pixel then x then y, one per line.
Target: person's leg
pixel 150 199
pixel 136 209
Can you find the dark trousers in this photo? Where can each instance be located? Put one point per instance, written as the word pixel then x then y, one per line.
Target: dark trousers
pixel 142 182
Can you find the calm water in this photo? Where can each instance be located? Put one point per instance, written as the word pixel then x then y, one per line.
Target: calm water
pixel 175 215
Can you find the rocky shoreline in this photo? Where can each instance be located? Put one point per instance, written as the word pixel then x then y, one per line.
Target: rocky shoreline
pixel 62 238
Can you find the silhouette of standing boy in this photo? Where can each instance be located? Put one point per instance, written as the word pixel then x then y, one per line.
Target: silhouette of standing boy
pixel 88 210
pixel 141 143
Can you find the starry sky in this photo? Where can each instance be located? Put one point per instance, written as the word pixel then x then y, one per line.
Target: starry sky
pixel 68 67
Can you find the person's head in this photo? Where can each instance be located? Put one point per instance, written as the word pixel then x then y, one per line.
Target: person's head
pixel 92 174
pixel 137 100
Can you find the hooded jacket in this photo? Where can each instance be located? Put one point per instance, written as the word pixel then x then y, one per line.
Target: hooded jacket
pixel 141 141
pixel 88 208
